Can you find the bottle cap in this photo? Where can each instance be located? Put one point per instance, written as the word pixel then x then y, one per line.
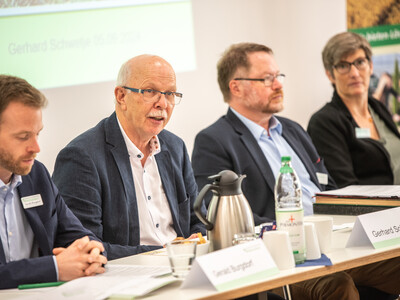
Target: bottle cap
pixel 285 158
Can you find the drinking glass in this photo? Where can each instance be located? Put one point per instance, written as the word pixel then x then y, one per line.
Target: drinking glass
pixel 181 254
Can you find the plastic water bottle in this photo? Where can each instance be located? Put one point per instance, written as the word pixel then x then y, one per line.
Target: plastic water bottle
pixel 289 208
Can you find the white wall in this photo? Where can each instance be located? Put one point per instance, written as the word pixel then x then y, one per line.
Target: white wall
pixel 295 30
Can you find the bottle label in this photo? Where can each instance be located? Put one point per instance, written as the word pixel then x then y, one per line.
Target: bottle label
pixel 292 222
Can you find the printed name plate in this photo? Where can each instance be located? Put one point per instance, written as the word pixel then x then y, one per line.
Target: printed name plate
pixel 32 201
pixel 381 229
pixel 232 267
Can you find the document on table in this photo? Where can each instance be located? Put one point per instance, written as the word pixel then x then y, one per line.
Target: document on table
pixel 365 191
pixel 121 280
pixel 135 270
pixel 343 227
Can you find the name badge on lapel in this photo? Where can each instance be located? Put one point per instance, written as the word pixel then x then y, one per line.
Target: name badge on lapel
pixel 322 178
pixel 363 133
pixel 32 201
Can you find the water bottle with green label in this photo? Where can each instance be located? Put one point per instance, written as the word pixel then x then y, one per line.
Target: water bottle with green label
pixel 289 208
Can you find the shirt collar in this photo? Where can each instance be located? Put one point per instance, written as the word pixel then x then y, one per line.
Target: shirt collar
pixel 16 180
pixel 134 151
pixel 256 130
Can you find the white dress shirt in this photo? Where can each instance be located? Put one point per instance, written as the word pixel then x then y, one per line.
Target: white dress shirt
pixel 155 218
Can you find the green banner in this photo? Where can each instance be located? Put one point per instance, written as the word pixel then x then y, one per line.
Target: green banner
pixel 382 35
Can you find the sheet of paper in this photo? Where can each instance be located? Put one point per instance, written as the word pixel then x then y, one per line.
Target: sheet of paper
pixel 136 270
pixel 133 280
pixel 367 191
pixel 143 287
pixel 343 227
pixel 158 252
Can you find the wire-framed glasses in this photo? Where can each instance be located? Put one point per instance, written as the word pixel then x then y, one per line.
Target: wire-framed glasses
pixel 268 80
pixel 153 96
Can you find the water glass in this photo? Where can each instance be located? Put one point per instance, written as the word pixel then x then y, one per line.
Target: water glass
pixel 181 254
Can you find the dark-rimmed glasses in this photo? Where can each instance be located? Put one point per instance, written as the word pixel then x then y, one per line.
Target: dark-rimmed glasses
pixel 268 80
pixel 152 96
pixel 344 67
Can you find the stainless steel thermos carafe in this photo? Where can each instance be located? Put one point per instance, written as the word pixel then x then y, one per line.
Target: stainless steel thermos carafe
pixel 229 213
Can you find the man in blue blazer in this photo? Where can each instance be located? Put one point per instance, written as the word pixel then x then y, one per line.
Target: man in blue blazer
pixel 41 239
pixel 128 180
pixel 229 145
pixel 250 139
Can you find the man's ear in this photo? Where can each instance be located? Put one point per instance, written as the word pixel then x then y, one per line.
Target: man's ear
pixel 120 94
pixel 235 88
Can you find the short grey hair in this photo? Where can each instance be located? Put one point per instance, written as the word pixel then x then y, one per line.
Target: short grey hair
pixel 344 44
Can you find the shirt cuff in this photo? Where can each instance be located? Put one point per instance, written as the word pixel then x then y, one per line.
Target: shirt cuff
pixel 55 265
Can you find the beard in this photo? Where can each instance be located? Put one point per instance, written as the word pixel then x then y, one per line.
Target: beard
pixel 15 165
pixel 272 105
pixel 270 108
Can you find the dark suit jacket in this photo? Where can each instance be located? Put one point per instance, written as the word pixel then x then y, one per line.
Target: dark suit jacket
pixel 94 176
pixel 229 145
pixel 351 160
pixel 53 225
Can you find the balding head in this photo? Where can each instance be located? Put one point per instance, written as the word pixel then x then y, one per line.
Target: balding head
pixel 140 117
pixel 133 69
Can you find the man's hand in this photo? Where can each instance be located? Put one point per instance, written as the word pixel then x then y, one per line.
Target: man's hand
pixel 81 258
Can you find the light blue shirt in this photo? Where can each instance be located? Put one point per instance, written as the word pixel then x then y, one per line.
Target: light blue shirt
pixel 274 146
pixel 16 234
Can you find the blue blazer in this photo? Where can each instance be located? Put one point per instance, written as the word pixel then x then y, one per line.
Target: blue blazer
pixel 53 225
pixel 229 145
pixel 94 176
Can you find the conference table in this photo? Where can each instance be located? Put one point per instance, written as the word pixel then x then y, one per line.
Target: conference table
pixel 342 259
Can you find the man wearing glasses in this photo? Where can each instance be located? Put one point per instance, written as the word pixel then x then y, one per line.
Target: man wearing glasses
pixel 128 180
pixel 250 139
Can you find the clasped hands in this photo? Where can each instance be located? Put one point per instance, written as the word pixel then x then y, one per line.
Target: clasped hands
pixel 82 258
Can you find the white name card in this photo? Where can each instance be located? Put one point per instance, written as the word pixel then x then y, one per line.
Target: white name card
pixel 381 229
pixel 32 201
pixel 363 133
pixel 232 267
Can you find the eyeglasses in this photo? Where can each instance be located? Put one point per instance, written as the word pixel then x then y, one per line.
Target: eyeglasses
pixel 152 96
pixel 344 67
pixel 268 80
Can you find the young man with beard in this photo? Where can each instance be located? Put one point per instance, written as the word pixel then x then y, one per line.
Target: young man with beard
pixel 40 238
